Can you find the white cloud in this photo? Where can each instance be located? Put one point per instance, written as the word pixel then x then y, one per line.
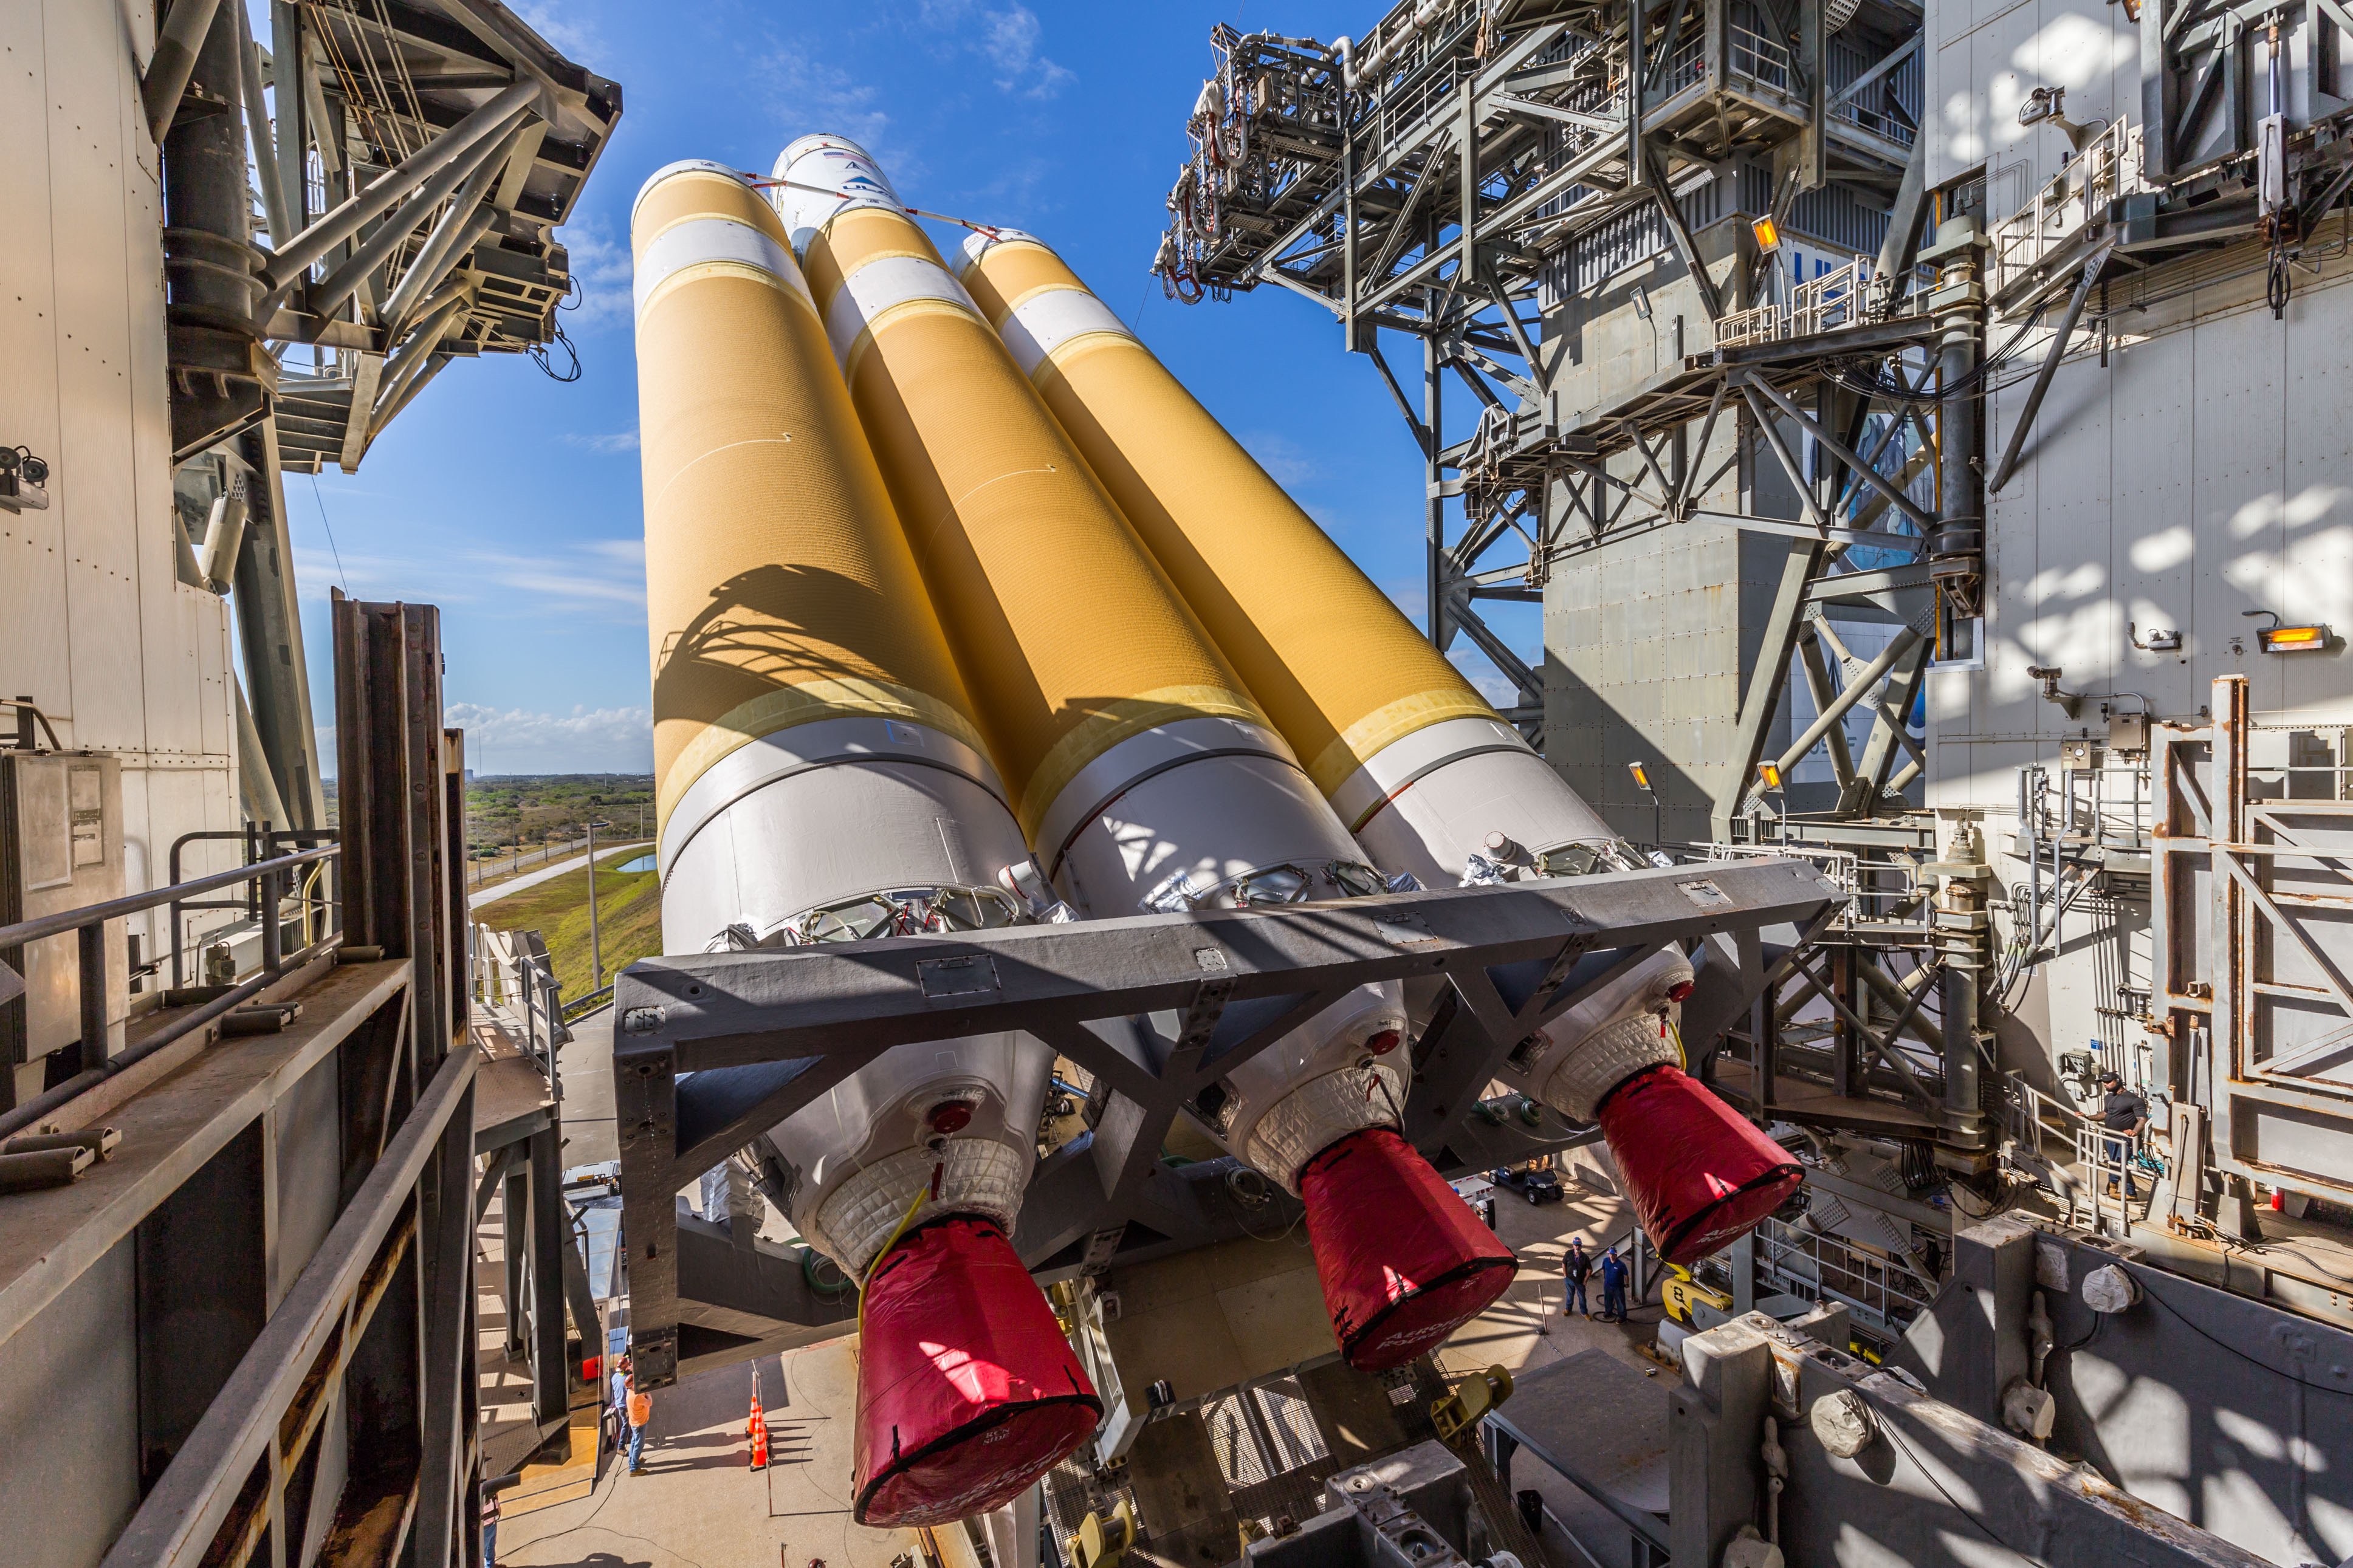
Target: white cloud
pixel 601 577
pixel 809 92
pixel 582 43
pixel 1006 39
pixel 1484 677
pixel 517 741
pixel 602 268
pixel 613 441
pixel 573 581
pixel 1286 462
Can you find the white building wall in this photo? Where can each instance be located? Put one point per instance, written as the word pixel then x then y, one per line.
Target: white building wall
pixel 94 622
pixel 2205 471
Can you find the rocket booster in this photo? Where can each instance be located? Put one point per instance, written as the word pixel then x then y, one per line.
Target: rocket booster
pixel 1417 765
pixel 819 777
pixel 1144 774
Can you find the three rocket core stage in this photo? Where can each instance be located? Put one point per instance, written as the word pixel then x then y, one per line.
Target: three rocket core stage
pixel 969 614
pixel 1417 765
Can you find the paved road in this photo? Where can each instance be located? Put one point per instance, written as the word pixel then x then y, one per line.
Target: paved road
pixel 490 895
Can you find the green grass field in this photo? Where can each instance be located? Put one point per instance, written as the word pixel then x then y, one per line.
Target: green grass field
pixel 628 911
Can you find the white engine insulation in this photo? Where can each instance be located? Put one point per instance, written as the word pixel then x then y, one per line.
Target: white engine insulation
pixel 1428 801
pixel 829 811
pixel 1191 806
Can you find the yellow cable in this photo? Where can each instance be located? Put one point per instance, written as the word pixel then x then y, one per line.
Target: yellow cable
pixel 884 1252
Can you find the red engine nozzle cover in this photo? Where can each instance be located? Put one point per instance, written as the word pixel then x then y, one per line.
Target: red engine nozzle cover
pixel 967 1392
pixel 1403 1260
pixel 1698 1172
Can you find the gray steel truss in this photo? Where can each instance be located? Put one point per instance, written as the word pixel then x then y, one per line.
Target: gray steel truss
pixel 710 1051
pixel 451 140
pixel 1438 179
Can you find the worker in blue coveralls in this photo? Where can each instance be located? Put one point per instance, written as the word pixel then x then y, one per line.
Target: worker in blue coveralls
pixel 1613 1287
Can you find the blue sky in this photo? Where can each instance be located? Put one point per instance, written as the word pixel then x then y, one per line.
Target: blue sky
pixel 512 502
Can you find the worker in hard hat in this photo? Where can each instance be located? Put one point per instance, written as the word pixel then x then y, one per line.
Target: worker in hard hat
pixel 1613 1287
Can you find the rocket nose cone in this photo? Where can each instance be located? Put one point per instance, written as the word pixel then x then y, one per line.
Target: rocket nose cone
pixel 1402 1259
pixel 1699 1173
pixel 800 147
pixel 967 1393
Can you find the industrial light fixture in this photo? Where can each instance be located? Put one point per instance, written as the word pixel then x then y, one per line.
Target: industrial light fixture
pixel 2278 638
pixel 1642 302
pixel 1768 233
pixel 1770 774
pixel 1658 807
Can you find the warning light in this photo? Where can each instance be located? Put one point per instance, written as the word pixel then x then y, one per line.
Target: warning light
pixel 1641 777
pixel 2291 639
pixel 1768 233
pixel 1770 774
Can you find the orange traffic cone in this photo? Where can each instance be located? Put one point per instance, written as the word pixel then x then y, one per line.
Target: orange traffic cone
pixel 758 1428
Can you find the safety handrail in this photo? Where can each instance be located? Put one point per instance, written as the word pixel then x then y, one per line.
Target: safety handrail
pixel 89 922
pixel 2093 1143
pixel 537 996
pixel 2108 167
pixel 259 840
pixel 64 920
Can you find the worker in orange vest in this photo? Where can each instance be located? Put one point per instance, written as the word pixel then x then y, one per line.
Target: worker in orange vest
pixel 641 1410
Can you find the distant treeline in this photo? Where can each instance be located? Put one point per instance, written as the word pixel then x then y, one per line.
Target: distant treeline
pixel 503 810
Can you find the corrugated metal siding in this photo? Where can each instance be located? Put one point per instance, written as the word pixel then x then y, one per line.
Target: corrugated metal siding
pixel 1889 107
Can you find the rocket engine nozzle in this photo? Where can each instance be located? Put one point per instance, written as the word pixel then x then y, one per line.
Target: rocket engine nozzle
pixel 1698 1172
pixel 1402 1259
pixel 967 1392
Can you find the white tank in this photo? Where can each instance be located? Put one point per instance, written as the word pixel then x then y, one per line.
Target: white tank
pixel 819 774
pixel 1144 774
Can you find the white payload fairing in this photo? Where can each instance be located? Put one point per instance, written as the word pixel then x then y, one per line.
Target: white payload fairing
pixel 820 777
pixel 1144 774
pixel 1424 773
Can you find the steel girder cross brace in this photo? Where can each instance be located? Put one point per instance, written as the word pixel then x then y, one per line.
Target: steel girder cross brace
pixel 711 1050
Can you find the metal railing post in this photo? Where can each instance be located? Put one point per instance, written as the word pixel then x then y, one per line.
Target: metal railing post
pixel 273 935
pixel 94 1040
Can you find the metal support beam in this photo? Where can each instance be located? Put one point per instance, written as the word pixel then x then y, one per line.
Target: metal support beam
pixel 2050 368
pixel 1904 642
pixel 1825 691
pixel 256 125
pixel 1680 232
pixel 772 1029
pixel 1765 681
pixel 289 158
pixel 1434 403
pixel 550 1233
pixel 296 255
pixel 399 225
pixel 1890 734
pixel 270 636
pixel 1845 454
pixel 174 62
